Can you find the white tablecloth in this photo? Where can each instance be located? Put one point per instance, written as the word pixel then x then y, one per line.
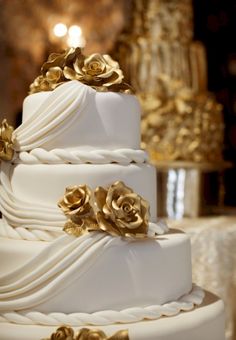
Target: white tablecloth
pixel 214 259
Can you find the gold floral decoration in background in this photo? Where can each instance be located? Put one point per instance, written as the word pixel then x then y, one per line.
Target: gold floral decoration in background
pixel 180 125
pixel 100 72
pixel 6 141
pixel 117 211
pixel 67 333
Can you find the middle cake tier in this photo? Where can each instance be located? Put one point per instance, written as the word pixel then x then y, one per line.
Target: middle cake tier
pixel 45 184
pixel 95 272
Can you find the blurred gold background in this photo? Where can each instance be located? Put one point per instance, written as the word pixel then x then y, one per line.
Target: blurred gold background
pixel 27 36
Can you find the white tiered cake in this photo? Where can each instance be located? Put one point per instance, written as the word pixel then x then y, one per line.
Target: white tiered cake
pixel 98 260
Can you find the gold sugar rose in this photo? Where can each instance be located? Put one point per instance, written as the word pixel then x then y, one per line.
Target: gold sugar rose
pixel 117 211
pixel 121 211
pixel 98 71
pixel 76 205
pixel 67 333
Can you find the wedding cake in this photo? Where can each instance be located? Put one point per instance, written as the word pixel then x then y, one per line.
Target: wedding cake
pixel 81 247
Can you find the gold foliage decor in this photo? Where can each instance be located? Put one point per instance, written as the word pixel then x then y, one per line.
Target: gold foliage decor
pixel 180 125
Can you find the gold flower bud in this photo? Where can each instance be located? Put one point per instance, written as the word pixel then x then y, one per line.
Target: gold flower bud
pixel 40 84
pixel 76 201
pixel 6 141
pixel 120 335
pixel 63 333
pixel 93 334
pixel 90 334
pixel 76 204
pixel 54 74
pixel 62 59
pixel 121 211
pixel 82 226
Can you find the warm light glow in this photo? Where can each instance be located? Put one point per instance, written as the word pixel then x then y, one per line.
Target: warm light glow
pixel 76 41
pixel 75 31
pixel 60 30
pixel 75 37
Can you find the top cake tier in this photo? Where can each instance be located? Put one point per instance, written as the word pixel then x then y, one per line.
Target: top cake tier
pixel 75 116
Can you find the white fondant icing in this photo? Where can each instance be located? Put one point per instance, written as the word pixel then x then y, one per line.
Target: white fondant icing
pixel 32 204
pixel 55 116
pixel 89 275
pixel 55 282
pixel 89 119
pixel 23 233
pixel 204 322
pixel 130 315
pixel 29 193
pixel 44 184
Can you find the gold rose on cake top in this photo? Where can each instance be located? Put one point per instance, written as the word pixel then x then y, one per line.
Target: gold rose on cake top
pixel 99 71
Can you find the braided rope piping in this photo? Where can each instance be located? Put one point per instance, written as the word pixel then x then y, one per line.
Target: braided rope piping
pixel 61 156
pixel 108 317
pixel 21 233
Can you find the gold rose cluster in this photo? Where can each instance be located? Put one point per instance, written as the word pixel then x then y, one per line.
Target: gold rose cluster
pixel 67 333
pixel 117 211
pixel 6 141
pixel 100 72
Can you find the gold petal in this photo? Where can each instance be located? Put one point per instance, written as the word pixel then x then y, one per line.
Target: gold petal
pixel 54 74
pixel 114 203
pixel 6 131
pixel 63 333
pixel 94 57
pixel 114 64
pixel 100 196
pixel 134 224
pixel 107 225
pixel 78 65
pixel 83 334
pixel 70 74
pixel 116 78
pixel 6 151
pixel 107 74
pixel 106 210
pixel 120 335
pixel 86 334
pixel 114 191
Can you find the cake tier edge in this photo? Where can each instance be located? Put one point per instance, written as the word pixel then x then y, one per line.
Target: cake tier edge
pixel 111 274
pixel 204 322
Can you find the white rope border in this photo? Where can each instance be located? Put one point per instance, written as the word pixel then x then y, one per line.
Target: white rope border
pixel 108 317
pixel 21 233
pixel 61 156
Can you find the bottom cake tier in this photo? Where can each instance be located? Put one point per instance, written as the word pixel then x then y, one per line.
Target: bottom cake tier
pixel 206 322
